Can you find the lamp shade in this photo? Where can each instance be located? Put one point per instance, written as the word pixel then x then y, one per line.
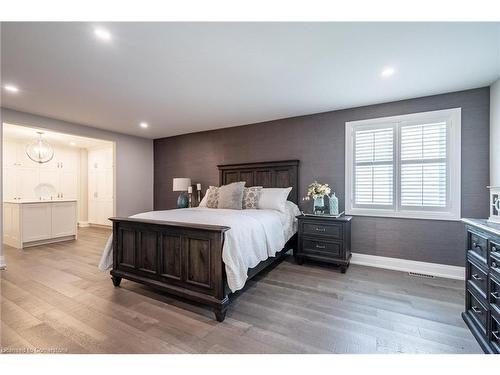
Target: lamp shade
pixel 181 184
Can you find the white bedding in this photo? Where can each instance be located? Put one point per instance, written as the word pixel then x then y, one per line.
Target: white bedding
pixel 255 235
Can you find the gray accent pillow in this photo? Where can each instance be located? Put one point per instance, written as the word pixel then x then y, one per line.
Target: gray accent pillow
pixel 231 196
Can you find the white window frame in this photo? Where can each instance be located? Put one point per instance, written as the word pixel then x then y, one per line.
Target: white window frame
pixel 453 119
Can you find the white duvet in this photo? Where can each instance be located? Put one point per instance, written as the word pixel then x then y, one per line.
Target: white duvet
pixel 255 235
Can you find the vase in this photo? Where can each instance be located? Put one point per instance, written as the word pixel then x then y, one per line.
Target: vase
pixel 334 205
pixel 183 200
pixel 319 205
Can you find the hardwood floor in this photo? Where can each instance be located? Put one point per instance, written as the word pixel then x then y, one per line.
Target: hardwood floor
pixel 54 299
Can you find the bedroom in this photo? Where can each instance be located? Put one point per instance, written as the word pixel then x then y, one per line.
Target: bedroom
pixel 279 187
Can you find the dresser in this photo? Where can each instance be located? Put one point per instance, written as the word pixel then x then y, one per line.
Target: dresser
pixel 325 239
pixel 482 283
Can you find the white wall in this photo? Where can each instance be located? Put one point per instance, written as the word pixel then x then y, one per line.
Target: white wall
pixel 134 159
pixel 495 134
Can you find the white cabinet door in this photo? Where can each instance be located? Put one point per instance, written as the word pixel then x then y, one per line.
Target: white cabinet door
pixel 36 222
pixel 107 158
pixel 104 185
pixel 69 184
pixel 11 235
pixel 104 212
pixel 92 160
pixel 9 158
pixel 69 167
pixel 9 183
pixel 27 180
pixel 68 159
pixel 101 185
pixel 63 219
pixel 7 222
pixel 101 158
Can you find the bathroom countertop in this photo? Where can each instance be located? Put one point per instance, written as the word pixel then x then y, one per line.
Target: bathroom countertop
pixel 26 201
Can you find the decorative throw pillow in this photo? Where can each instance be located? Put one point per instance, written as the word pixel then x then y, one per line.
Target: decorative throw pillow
pixel 203 202
pixel 251 197
pixel 231 196
pixel 274 198
pixel 212 197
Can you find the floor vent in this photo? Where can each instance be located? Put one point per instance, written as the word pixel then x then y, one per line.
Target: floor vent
pixel 416 274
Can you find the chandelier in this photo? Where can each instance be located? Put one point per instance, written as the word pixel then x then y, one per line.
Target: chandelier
pixel 39 150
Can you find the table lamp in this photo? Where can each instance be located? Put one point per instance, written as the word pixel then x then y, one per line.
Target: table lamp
pixel 181 184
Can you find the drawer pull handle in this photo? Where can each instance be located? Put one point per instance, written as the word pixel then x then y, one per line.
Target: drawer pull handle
pixel 476 277
pixel 320 246
pixel 476 309
pixel 495 295
pixel 493 264
pixel 495 335
pixel 320 229
pixel 493 249
pixel 475 245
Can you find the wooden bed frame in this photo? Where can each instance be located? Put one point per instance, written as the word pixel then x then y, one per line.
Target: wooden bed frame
pixel 186 259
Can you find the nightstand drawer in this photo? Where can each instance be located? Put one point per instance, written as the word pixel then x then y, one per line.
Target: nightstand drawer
pixel 320 229
pixel 322 248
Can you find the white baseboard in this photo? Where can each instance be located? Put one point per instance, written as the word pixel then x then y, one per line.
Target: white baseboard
pixel 434 269
pixel 106 226
pixel 2 263
pixel 83 224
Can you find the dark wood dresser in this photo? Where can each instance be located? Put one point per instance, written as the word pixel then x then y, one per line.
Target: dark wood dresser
pixel 325 239
pixel 482 283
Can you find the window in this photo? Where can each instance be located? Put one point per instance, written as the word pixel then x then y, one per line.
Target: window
pixel 405 166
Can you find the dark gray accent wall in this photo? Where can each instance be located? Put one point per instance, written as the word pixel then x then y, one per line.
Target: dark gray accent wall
pixel 318 142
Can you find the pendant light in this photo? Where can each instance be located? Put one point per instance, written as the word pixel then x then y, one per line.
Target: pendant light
pixel 39 150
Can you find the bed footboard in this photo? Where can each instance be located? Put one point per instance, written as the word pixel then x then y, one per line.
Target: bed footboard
pixel 179 258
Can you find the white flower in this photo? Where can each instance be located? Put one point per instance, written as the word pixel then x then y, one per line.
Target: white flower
pixel 317 190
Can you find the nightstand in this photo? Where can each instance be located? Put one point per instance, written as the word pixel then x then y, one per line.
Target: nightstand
pixel 325 239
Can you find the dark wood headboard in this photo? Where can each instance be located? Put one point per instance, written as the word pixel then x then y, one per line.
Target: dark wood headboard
pixel 267 174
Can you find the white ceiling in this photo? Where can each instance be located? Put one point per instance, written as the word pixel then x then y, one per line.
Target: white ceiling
pixel 187 77
pixel 25 134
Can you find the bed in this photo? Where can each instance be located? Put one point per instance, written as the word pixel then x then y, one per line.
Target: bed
pixel 186 258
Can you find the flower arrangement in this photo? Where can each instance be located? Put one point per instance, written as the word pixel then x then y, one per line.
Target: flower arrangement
pixel 317 190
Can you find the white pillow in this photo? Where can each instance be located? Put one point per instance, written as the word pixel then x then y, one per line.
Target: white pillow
pixel 203 202
pixel 274 198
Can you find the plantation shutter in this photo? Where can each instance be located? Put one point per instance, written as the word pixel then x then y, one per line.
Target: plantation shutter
pixel 374 167
pixel 424 167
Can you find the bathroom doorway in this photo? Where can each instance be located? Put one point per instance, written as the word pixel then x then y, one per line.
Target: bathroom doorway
pixel 77 172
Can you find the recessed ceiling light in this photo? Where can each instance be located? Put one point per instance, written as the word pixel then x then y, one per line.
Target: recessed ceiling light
pixel 143 125
pixel 388 71
pixel 102 34
pixel 11 88
pixel 72 143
